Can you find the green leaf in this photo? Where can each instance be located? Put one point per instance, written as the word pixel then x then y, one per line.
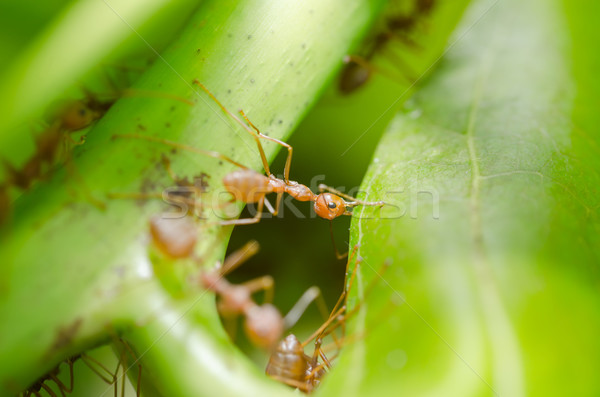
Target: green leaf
pixel 492 172
pixel 83 273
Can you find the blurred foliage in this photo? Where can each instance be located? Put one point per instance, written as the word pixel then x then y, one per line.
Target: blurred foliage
pixel 493 170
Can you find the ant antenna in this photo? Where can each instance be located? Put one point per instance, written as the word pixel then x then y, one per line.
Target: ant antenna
pixel 337 253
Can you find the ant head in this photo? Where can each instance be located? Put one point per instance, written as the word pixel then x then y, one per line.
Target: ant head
pixel 77 115
pixel 329 206
pixel 264 325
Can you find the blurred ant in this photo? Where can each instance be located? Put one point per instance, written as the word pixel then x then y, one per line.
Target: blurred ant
pixel 263 324
pixel 249 186
pixel 71 116
pixel 359 69
pixel 67 117
pixel 289 364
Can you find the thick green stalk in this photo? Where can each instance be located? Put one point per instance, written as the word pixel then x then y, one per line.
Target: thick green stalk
pixel 81 273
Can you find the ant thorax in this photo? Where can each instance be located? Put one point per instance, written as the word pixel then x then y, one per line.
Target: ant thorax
pixel 297 190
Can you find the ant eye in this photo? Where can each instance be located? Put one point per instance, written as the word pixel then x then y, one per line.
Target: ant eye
pixel 82 112
pixel 331 205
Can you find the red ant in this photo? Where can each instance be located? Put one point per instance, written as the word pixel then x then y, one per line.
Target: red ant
pixel 263 324
pixel 358 69
pixel 289 363
pixel 249 186
pixel 72 116
pixel 68 117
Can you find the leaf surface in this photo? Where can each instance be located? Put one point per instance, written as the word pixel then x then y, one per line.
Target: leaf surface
pixel 492 173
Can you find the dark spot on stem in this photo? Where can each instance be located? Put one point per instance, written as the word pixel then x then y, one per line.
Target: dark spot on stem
pixel 64 336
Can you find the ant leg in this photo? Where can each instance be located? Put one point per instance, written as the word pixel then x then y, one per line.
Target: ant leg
pixel 315 358
pixel 61 386
pixel 123 362
pixel 70 139
pixel 360 61
pixel 99 369
pixel 408 75
pixel 86 191
pixel 337 253
pixel 239 256
pixel 354 200
pixel 288 161
pixel 326 361
pixel 372 69
pixel 310 295
pixel 320 331
pixel 233 116
pixel 270 207
pixel 134 196
pixel 247 221
pixel 183 204
pixel 177 145
pixel 278 203
pixel 49 390
pixel 273 211
pixel 70 388
pixel 264 283
pixel 131 92
pixel 367 292
pixel 292 382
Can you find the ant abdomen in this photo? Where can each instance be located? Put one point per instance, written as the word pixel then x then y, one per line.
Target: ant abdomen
pixel 353 77
pixel 288 360
pixel 174 237
pixel 246 185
